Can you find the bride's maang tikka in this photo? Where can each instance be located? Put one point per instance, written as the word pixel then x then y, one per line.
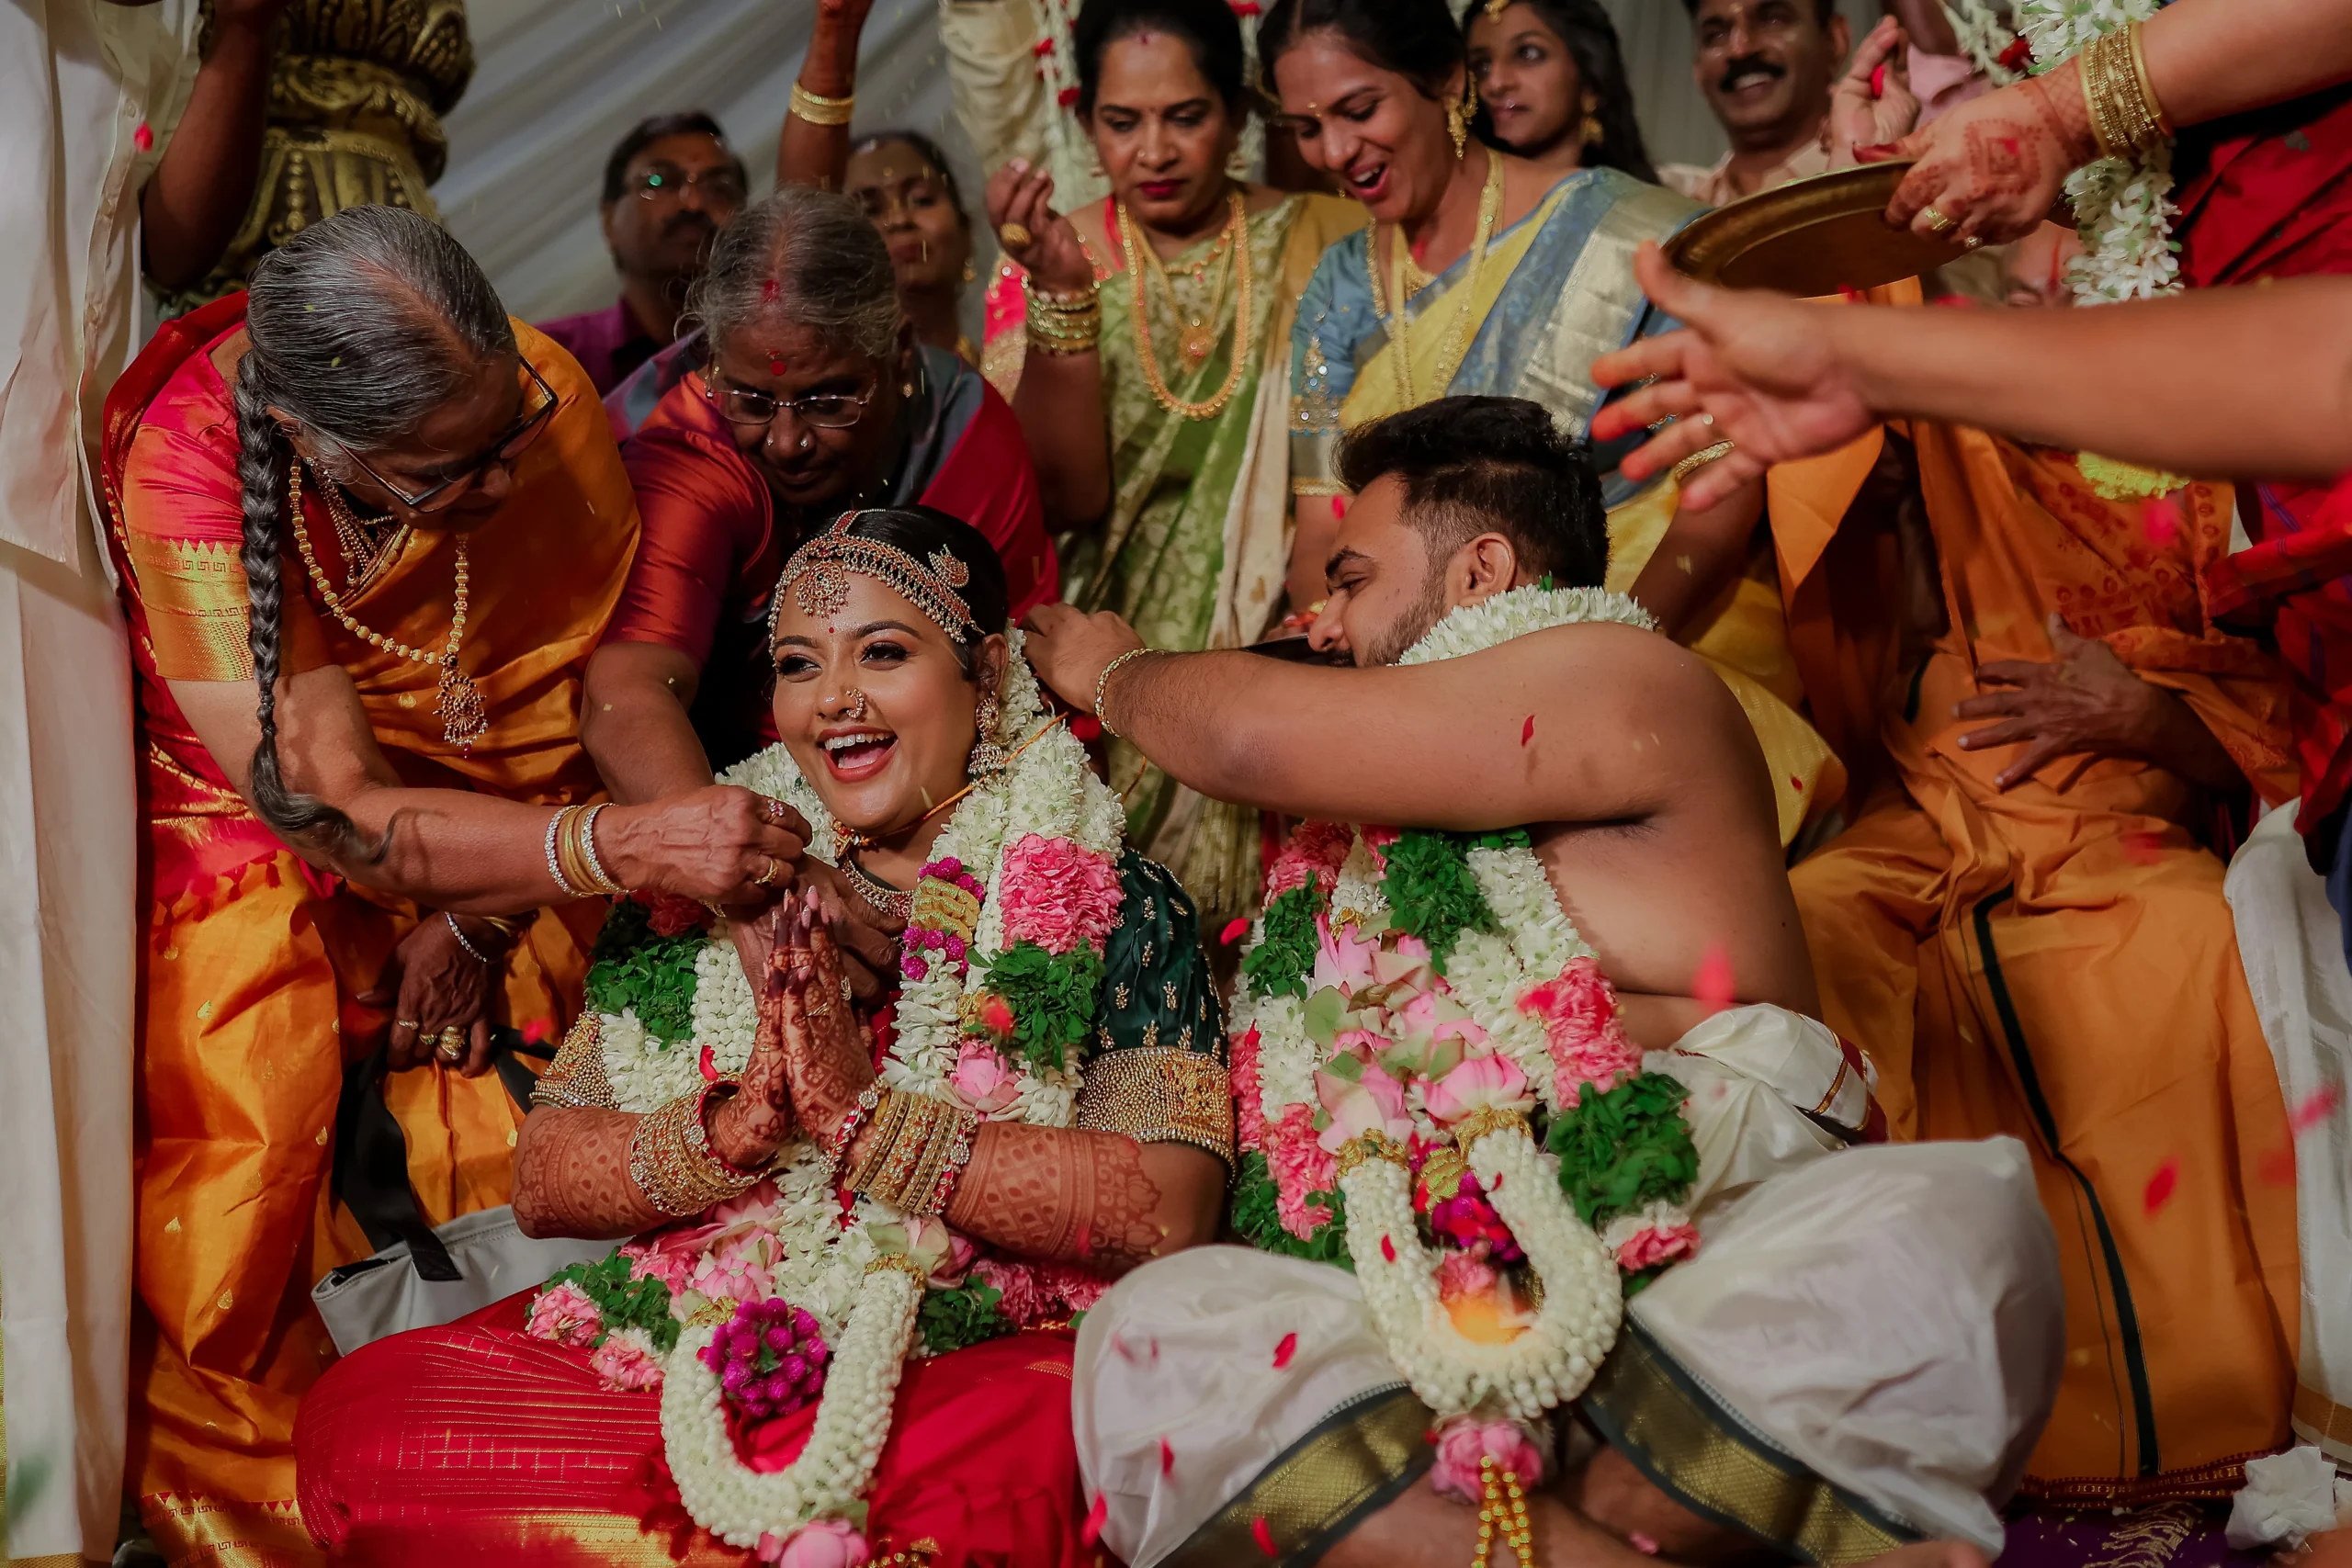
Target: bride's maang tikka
pixel 817 577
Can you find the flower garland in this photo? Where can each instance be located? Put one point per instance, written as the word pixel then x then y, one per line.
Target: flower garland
pixel 1430 1076
pixel 2123 206
pixel 790 1291
pixel 1996 53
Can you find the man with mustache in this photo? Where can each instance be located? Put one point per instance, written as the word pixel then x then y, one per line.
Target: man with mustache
pixel 670 187
pixel 1766 68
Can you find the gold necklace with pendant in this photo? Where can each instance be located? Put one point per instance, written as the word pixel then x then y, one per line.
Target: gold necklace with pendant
pixel 463 718
pixel 1198 339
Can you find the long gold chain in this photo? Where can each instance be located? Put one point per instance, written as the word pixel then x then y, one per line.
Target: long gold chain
pixel 363 551
pixel 463 718
pixel 1237 259
pixel 1457 337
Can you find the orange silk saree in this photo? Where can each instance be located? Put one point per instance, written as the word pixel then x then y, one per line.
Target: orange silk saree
pixel 2057 961
pixel 252 957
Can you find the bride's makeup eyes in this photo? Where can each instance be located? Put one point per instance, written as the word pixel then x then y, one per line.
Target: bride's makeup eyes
pixel 882 653
pixel 795 666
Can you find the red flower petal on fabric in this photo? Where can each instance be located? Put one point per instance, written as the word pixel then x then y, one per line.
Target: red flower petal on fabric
pixel 142 136
pixel 1796 783
pixel 1262 1536
pixel 1285 1350
pixel 1712 985
pixel 1067 97
pixel 1236 931
pixel 539 1031
pixel 1086 727
pixel 1167 1458
pixel 2315 1109
pixel 2143 849
pixel 2161 1185
pixel 1092 1530
pixel 1085 1239
pixel 1388 1250
pixel 709 1066
pixel 1527 731
pixel 1042 48
pixel 2160 519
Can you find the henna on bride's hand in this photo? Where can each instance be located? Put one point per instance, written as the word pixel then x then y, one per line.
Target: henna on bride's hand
pixel 1051 1192
pixel 572 1175
pixel 828 1063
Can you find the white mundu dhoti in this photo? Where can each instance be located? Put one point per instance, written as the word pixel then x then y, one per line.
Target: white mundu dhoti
pixel 1862 1354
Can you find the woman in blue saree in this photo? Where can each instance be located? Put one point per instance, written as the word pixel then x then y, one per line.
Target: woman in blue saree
pixel 1486 273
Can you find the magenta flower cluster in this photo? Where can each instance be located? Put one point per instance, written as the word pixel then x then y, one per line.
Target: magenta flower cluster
pixel 1467 1219
pixel 770 1359
pixel 922 947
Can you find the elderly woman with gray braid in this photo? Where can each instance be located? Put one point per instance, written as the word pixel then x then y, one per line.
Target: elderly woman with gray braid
pixel 368 530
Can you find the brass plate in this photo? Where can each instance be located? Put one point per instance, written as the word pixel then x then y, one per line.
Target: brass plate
pixel 1810 237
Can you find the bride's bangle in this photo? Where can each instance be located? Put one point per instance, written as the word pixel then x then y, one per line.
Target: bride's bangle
pixel 671 1160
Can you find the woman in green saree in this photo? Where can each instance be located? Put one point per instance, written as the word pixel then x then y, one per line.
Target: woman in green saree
pixel 1144 341
pixel 1487 273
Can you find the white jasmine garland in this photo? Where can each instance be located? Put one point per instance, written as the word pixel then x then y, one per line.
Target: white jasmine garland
pixel 826 1265
pixel 1984 36
pixel 2123 206
pixel 1489 974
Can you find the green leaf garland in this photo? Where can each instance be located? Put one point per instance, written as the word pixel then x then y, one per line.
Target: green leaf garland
pixel 1052 995
pixel 1431 892
pixel 1625 1149
pixel 949 1320
pixel 653 974
pixel 1258 1221
pixel 624 1302
pixel 1285 955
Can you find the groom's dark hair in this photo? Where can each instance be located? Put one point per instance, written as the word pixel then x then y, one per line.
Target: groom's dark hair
pixel 1473 466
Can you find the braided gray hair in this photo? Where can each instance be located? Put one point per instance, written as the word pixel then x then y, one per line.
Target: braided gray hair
pixel 810 256
pixel 361 326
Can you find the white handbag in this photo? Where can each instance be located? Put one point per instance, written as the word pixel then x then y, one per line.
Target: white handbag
pixel 422 1276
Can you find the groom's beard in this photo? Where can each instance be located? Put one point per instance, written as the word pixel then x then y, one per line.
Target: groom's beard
pixel 1409 627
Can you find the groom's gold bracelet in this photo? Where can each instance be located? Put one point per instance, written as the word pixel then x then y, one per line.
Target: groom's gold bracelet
pixel 1102 687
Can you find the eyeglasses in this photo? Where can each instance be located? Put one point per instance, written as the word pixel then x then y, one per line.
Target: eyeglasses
pixel 824 411
pixel 722 185
pixel 505 449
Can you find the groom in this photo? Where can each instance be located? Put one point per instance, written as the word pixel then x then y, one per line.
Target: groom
pixel 1863 1351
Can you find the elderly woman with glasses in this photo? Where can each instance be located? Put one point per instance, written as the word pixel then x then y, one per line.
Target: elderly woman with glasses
pixel 804 393
pixel 369 531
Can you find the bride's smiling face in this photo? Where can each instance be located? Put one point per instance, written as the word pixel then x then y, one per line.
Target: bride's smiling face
pixel 880 766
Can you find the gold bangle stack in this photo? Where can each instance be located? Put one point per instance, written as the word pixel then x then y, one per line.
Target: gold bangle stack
pixel 1063 324
pixel 920 1146
pixel 571 853
pixel 817 109
pixel 2125 115
pixel 671 1162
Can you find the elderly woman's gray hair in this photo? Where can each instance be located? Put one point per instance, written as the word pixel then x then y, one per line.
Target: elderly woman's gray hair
pixel 809 257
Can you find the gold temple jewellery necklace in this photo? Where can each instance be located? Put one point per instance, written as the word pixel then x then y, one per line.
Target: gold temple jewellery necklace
pixel 1198 336
pixel 463 720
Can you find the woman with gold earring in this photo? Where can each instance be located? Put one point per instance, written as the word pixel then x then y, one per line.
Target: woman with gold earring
pixel 902 180
pixel 1552 86
pixel 1491 273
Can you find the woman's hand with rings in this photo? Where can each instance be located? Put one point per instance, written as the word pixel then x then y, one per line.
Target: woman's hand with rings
pixel 1020 202
pixel 720 845
pixel 440 994
pixel 1993 169
pixel 864 939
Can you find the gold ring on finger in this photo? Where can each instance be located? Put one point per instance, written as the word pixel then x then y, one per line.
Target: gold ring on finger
pixel 1969 242
pixel 405 1023
pixel 1936 220
pixel 1016 236
pixel 453 1044
pixel 769 866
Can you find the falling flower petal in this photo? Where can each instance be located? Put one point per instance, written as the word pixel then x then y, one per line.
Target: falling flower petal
pixel 2143 849
pixel 1085 1239
pixel 1167 1458
pixel 1712 985
pixel 1285 1350
pixel 2161 521
pixel 1527 731
pixel 1647 1544
pixel 1262 1536
pixel 1388 1250
pixel 1796 783
pixel 2161 1185
pixel 539 1031
pixel 2278 1167
pixel 709 1066
pixel 142 136
pixel 1092 1530
pixel 1235 931
pixel 2317 1108
pixel 1085 727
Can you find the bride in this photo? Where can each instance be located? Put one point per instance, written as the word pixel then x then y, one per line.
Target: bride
pixel 840 1327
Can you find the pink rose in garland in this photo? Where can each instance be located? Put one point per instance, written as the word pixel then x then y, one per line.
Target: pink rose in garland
pixel 1249 1117
pixel 1299 1166
pixel 1588 1044
pixel 565 1314
pixel 626 1362
pixel 1313 856
pixel 1659 1243
pixel 1465 1443
pixel 980 1078
pixel 1058 894
pixel 821 1543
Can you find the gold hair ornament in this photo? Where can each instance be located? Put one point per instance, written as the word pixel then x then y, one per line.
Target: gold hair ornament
pixel 819 573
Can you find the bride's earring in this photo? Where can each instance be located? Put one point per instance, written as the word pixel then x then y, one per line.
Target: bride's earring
pixel 988 759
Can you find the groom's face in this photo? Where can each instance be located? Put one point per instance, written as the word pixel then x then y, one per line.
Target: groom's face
pixel 1382 589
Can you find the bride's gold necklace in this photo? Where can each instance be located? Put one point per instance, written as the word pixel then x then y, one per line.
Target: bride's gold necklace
pixel 1198 338
pixel 1403 287
pixel 463 718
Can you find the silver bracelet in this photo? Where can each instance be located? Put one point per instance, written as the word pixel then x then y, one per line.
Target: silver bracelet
pixel 554 866
pixel 1102 687
pixel 476 953
pixel 605 883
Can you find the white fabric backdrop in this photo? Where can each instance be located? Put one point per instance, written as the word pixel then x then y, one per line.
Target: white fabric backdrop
pixel 561 81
